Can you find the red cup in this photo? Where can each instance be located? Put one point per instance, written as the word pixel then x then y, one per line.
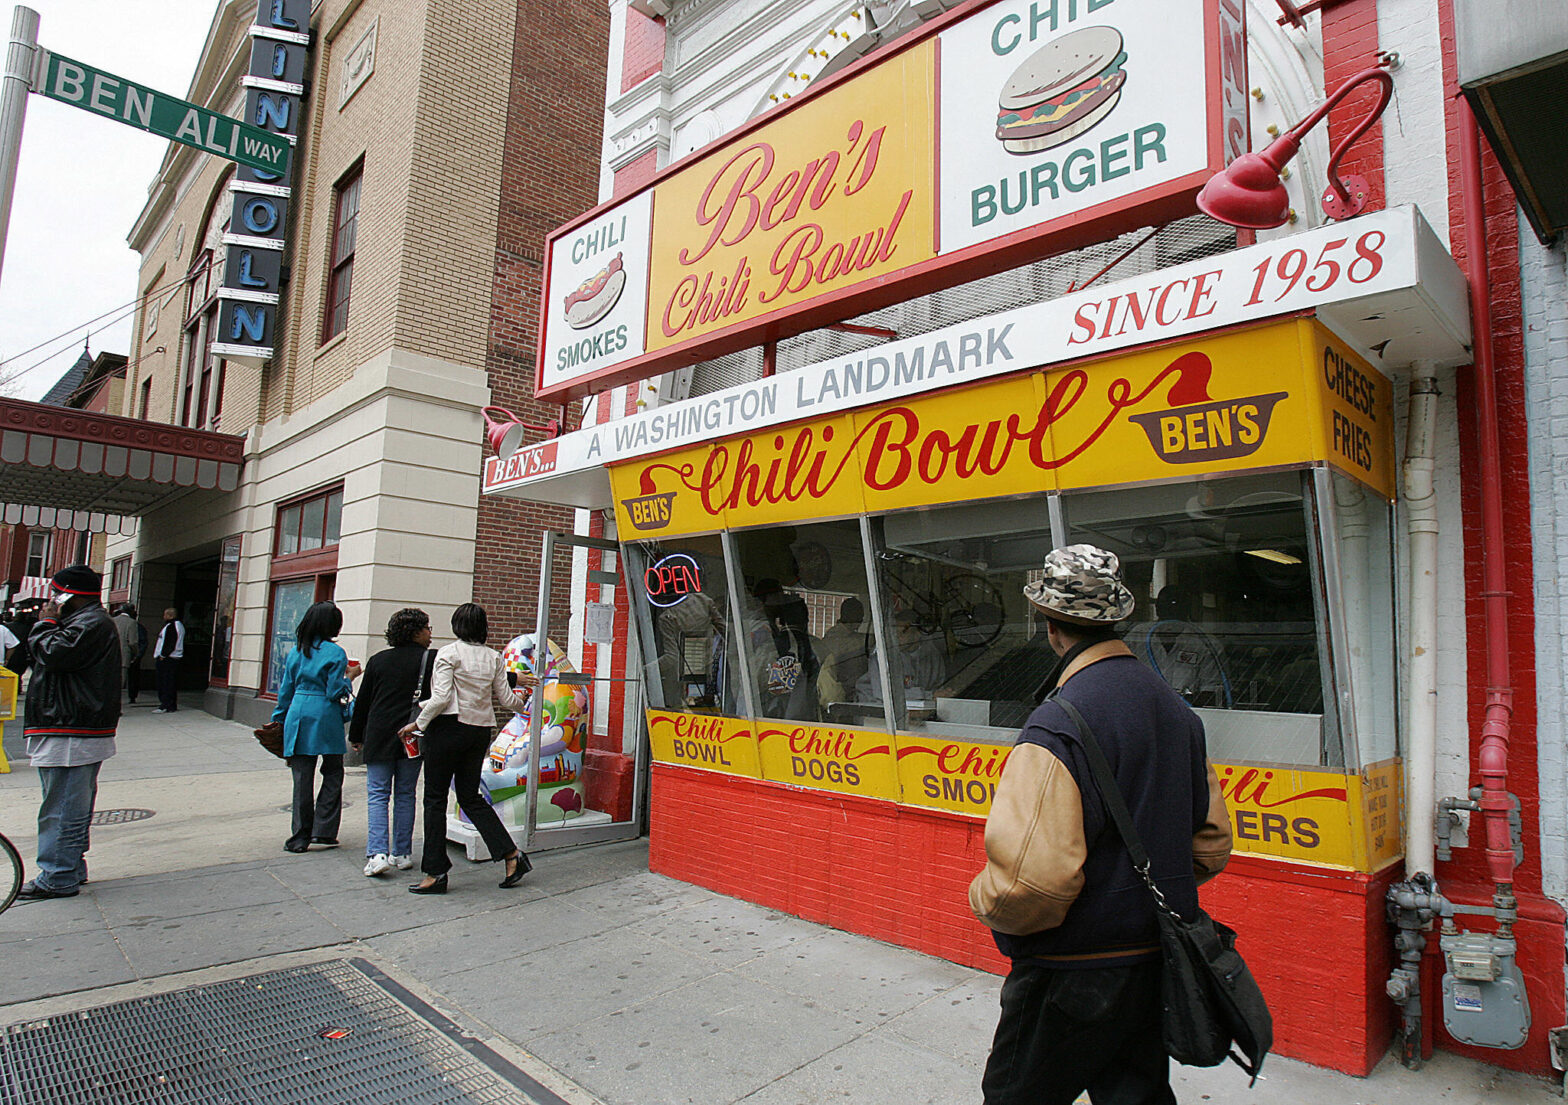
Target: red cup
pixel 411 745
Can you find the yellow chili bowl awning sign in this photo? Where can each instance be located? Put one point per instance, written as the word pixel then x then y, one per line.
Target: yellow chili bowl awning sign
pixel 1281 394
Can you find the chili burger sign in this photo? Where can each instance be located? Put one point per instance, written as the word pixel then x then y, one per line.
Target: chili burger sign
pixel 1003 132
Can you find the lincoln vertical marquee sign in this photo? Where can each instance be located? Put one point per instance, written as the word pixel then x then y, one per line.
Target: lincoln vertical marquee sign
pixel 252 273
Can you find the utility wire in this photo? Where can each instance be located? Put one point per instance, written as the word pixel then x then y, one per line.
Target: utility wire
pixel 71 333
pixel 125 313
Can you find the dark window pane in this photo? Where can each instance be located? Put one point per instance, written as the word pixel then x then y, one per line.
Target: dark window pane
pixel 288 531
pixel 311 524
pixel 334 517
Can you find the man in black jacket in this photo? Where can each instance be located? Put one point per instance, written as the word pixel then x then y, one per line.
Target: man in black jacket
pixel 73 709
pixel 1081 1004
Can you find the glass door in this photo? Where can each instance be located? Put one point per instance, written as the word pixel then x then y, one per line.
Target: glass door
pixel 586 752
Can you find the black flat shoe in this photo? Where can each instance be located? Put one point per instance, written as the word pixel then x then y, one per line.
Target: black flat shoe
pixel 437 887
pixel 296 848
pixel 32 892
pixel 524 865
pixel 324 841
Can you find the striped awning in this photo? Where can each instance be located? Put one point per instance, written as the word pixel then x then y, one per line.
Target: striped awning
pixel 64 468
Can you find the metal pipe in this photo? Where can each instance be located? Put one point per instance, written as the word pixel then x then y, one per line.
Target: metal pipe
pixel 1497 725
pixel 1421 522
pixel 19 56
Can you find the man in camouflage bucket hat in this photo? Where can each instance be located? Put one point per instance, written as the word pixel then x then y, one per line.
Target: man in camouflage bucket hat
pixel 1081 1004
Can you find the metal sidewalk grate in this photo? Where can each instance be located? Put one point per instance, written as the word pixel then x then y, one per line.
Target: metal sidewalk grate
pixel 260 1039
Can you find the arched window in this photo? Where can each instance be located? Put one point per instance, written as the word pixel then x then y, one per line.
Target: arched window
pixel 201 383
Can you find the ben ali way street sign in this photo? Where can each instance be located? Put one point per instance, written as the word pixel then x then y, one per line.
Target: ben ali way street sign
pixel 80 85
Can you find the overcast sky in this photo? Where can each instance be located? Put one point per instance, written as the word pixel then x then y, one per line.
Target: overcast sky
pixel 82 180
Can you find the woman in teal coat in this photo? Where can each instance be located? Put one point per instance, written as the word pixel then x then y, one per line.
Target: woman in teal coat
pixel 314 704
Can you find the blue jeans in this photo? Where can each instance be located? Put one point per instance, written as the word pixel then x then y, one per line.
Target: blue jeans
pixel 64 824
pixel 397 780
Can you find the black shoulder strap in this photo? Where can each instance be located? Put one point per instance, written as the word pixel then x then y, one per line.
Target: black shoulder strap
pixel 1115 805
pixel 426 668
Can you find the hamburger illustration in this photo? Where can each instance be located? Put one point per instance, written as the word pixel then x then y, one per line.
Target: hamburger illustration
pixel 595 296
pixel 1061 90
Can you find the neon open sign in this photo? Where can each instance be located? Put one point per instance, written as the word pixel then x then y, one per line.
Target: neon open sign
pixel 671 578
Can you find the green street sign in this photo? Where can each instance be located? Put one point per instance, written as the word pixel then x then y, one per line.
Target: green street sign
pixel 72 82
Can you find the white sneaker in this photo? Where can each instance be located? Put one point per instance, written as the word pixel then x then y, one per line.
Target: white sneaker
pixel 403 863
pixel 377 865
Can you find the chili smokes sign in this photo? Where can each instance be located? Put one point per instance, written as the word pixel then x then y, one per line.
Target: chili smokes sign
pixel 1001 133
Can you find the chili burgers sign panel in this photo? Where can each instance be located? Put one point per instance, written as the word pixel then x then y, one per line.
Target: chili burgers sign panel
pixel 597 297
pixel 1050 108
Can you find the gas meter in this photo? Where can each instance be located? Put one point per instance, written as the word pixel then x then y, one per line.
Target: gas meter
pixel 1483 993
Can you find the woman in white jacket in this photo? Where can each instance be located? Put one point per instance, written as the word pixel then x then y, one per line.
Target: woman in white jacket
pixel 456 725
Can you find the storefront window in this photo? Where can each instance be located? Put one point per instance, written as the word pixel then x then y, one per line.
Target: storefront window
pixel 806 635
pixel 289 603
pixel 1362 525
pixel 968 660
pixel 684 593
pixel 1229 606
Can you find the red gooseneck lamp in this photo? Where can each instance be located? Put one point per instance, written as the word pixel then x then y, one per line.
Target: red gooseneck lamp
pixel 1249 193
pixel 505 430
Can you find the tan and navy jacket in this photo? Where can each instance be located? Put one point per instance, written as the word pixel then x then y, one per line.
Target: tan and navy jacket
pixel 1058 885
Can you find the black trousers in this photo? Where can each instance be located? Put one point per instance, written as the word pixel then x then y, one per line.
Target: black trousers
pixel 454 754
pixel 1066 1031
pixel 133 682
pixel 168 676
pixel 316 813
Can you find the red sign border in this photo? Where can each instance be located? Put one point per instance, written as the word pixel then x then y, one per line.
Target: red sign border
pixel 1151 206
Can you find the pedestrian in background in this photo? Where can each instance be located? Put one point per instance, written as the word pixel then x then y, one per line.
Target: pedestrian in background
pixel 167 654
pixel 314 702
pixel 1081 1006
pixel 455 728
pixel 73 710
pixel 133 638
pixel 387 695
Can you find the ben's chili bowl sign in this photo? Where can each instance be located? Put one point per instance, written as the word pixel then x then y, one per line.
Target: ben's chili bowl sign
pixel 990 137
pixel 1148 415
pixel 1328 269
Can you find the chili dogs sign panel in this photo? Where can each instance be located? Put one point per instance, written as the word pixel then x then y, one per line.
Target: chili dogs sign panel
pixel 998 134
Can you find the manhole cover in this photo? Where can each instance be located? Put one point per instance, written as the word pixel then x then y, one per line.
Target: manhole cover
pixel 120 817
pixel 330 1032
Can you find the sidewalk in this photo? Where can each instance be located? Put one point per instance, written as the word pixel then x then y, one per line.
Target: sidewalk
pixel 604 982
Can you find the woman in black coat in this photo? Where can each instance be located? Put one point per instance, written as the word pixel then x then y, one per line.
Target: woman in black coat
pixel 386 697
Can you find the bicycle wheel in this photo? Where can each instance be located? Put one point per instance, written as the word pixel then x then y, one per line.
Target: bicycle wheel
pixel 10 873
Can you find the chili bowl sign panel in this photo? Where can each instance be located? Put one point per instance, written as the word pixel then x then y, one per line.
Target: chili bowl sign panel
pixel 1049 108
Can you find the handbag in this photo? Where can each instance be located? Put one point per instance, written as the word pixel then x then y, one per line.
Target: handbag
pixel 411 744
pixel 270 737
pixel 1209 999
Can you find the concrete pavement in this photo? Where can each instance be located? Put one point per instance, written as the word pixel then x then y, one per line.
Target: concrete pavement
pixel 603 981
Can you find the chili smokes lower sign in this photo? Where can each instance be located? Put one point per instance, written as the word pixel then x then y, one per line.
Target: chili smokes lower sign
pixel 1001 133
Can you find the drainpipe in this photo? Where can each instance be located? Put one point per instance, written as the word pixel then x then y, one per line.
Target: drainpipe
pixel 1495 729
pixel 1421 522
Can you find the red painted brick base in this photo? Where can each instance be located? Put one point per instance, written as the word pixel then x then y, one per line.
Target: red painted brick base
pixel 1316 940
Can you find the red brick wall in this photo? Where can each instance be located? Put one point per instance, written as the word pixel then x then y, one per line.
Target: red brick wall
pixel 1466 879
pixel 1315 939
pixel 1349 46
pixel 632 176
pixel 643 53
pixel 554 131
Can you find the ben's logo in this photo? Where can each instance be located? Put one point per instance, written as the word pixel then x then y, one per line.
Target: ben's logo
pixel 1196 428
pixel 649 512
